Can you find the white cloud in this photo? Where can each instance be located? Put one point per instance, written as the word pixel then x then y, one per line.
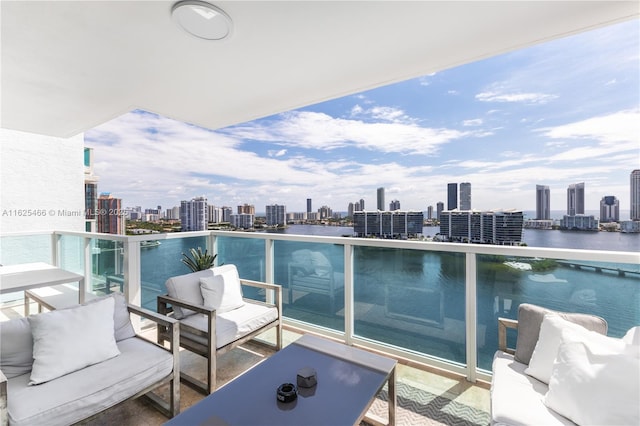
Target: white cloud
pixel 473 122
pixel 529 98
pixel 618 131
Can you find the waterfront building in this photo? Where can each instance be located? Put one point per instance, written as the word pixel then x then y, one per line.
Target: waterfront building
pixel 226 214
pixel 635 195
pixel 430 212
pixel 388 224
pixel 439 209
pixel 538 224
pixel 193 214
pixel 173 213
pixel 502 227
pixel 575 199
pixel 90 191
pixel 394 205
pixel 579 222
pixel 452 196
pixel 110 217
pixel 380 199
pixel 309 209
pixel 247 208
pixel 609 209
pixel 361 204
pixel 242 220
pixel 630 226
pixel 543 202
pixel 276 215
pixel 350 209
pixel 214 214
pixel 325 212
pixel 465 196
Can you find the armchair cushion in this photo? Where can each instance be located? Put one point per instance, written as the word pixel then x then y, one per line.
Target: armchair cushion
pixel 231 325
pixel 71 339
pixel 123 329
pixel 16 347
pixel 530 319
pixel 187 288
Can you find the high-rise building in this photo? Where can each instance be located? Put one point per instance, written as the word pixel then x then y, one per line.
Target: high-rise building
pixel 380 197
pixel 543 202
pixel 325 212
pixel 276 215
pixel 635 195
pixel 90 192
pixel 242 220
pixel 465 196
pixel 452 196
pixel 110 217
pixel 394 224
pixel 439 209
pixel 361 203
pixel 193 214
pixel 490 227
pixel 575 199
pixel 394 205
pixel 309 205
pixel 430 212
pixel 247 209
pixel 609 209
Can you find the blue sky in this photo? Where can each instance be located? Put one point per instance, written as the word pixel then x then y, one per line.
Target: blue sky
pixel 558 113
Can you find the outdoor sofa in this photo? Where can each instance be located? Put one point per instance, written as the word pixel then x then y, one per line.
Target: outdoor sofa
pixel 564 371
pixel 215 317
pixel 69 365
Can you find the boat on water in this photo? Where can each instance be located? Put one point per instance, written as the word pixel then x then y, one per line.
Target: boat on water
pixel 149 244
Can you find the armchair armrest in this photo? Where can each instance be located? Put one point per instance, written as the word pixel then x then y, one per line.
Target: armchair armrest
pixel 170 325
pixel 165 300
pixel 503 324
pixel 4 414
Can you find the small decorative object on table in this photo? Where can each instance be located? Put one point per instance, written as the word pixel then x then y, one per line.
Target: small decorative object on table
pixel 287 392
pixel 307 377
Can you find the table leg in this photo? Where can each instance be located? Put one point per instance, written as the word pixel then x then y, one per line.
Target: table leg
pixel 392 397
pixel 81 291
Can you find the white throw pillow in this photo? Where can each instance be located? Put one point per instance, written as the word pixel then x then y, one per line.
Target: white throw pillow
pixel 71 339
pixel 222 293
pixel 547 346
pixel 592 385
pixel 632 337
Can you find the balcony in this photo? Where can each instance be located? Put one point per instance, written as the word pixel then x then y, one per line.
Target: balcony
pixel 433 306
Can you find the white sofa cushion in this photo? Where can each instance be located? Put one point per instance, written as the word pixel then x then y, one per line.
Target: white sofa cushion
pixel 16 347
pixel 232 325
pixel 516 398
pixel 187 288
pixel 71 339
pixel 123 329
pixel 222 292
pixel 71 398
pixel 593 384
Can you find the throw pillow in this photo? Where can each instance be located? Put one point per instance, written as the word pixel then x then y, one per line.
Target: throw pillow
pixel 187 288
pixel 632 337
pixel 123 329
pixel 16 345
pixel 70 339
pixel 594 385
pixel 221 293
pixel 529 321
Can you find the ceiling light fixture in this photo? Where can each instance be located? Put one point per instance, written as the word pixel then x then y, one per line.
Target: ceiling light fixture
pixel 202 19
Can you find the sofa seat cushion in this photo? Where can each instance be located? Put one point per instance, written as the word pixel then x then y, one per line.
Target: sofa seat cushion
pixel 518 399
pixel 231 325
pixel 76 396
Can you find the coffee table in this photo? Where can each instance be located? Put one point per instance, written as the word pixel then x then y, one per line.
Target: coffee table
pixel 348 381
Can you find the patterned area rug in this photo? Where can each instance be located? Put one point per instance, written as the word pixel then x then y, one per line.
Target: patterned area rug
pixel 419 407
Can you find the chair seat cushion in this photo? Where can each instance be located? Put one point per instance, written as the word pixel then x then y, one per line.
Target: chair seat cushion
pixel 231 325
pixel 518 399
pixel 76 396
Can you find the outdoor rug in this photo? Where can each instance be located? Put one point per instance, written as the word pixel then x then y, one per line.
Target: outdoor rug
pixel 419 407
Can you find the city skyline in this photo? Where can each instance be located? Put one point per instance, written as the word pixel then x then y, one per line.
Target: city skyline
pixel 558 113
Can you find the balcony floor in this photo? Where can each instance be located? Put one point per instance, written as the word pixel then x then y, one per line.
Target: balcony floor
pixel 424 397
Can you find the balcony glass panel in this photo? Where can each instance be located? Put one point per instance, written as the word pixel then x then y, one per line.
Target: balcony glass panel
pixel 312 277
pixel 72 254
pixel 411 299
pixel 159 262
pixel 25 249
pixel 107 266
pixel 249 257
pixel 609 290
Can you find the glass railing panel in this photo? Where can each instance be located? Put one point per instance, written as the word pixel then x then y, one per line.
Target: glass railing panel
pixel 25 249
pixel 249 257
pixel 71 254
pixel 609 290
pixel 107 266
pixel 312 279
pixel 161 260
pixel 411 299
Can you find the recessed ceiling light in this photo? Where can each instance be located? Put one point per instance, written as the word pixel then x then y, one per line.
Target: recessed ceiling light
pixel 202 19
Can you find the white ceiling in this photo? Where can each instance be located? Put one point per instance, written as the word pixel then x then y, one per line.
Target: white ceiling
pixel 68 66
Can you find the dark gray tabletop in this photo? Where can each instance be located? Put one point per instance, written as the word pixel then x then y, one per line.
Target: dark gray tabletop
pixel 348 381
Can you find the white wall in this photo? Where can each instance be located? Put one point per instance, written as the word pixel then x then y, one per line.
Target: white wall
pixel 41 182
